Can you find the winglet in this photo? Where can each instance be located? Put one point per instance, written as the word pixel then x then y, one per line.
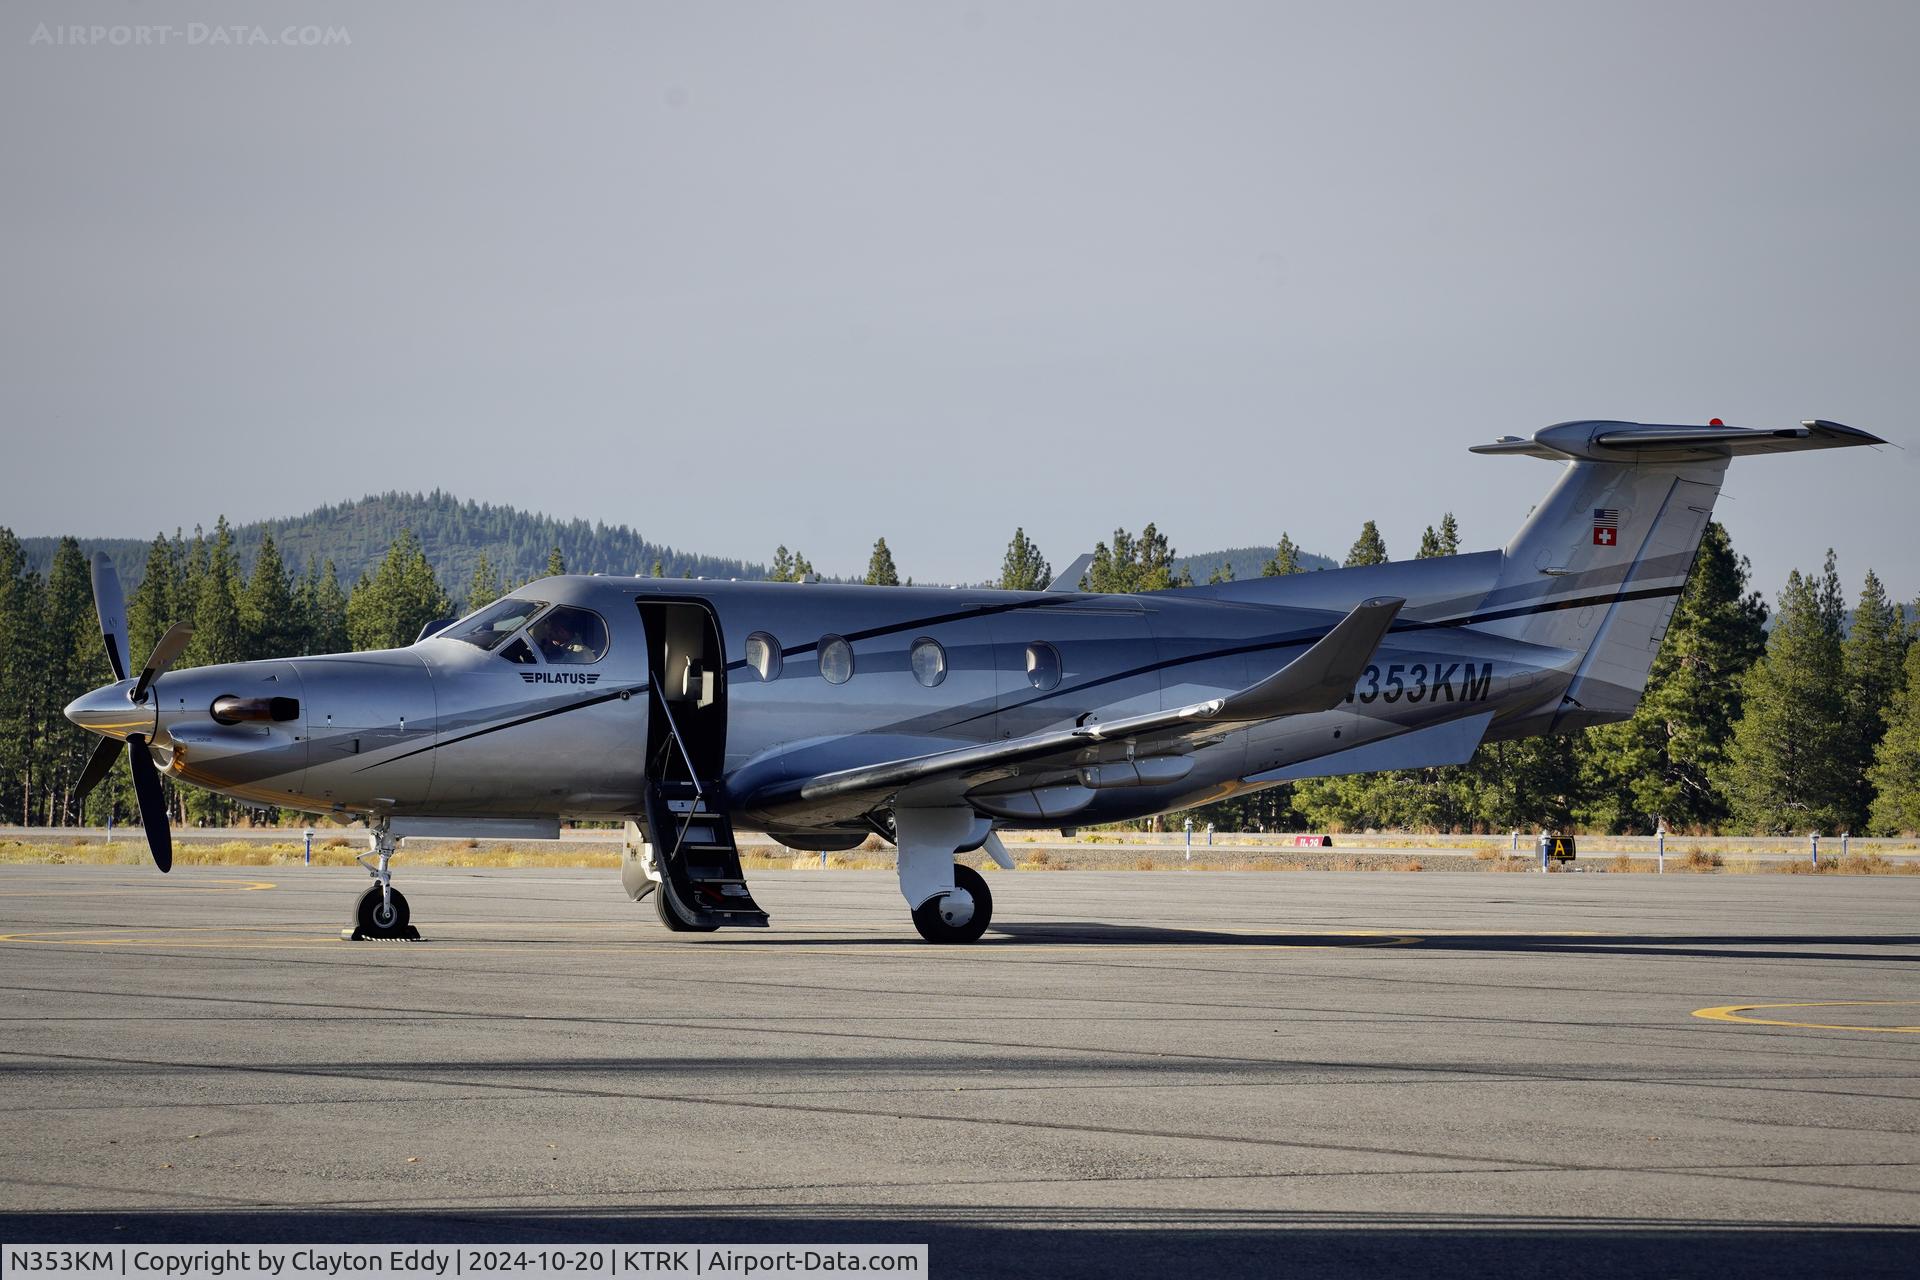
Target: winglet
pixel 1318 679
pixel 1069 579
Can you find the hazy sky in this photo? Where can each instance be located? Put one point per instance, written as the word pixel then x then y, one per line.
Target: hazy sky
pixel 811 273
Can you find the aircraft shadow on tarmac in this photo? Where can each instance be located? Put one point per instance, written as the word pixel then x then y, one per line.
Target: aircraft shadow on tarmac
pixel 1728 945
pixel 1002 1240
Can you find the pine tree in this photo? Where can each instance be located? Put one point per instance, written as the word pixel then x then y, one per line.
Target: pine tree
pixel 1895 774
pixel 659 570
pixel 327 621
pixel 1131 566
pixel 1429 546
pixel 217 633
pixel 73 661
pixel 802 568
pixel 388 610
pixel 155 604
pixel 267 622
pixel 556 563
pixel 1524 783
pixel 21 643
pixel 782 570
pixel 484 587
pixel 1368 548
pixel 1024 568
pixel 192 558
pixel 1788 768
pixel 1666 762
pixel 1222 572
pixel 1286 560
pixel 1874 658
pixel 1449 535
pixel 880 567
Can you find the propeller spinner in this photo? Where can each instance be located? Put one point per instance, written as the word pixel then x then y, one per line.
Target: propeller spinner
pixel 127 720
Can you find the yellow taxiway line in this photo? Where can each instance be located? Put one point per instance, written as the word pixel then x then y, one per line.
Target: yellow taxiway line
pixel 1732 1012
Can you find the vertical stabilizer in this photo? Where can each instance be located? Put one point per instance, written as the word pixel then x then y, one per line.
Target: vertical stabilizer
pixel 1599 565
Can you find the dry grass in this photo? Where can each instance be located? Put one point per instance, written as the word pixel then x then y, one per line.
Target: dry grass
pixel 875 855
pixel 1854 864
pixel 130 851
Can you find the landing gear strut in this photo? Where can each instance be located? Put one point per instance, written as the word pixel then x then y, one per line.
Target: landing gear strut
pixel 381 914
pixel 949 900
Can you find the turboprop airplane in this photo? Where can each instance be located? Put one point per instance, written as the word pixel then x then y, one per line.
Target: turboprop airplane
pixel 934 718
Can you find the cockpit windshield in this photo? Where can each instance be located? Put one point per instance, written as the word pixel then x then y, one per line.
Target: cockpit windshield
pixel 493 624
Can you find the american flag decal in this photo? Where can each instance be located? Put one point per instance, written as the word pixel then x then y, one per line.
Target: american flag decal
pixel 1606 526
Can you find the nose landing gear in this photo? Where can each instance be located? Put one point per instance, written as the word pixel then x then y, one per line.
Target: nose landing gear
pixel 381 914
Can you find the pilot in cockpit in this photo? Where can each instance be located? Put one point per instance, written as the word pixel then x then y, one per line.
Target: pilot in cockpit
pixel 560 639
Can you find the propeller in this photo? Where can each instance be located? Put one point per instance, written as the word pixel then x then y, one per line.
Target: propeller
pixel 99 765
pixel 169 648
pixel 153 805
pixel 110 603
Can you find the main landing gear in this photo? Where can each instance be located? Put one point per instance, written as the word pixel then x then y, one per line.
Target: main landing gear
pixel 960 916
pixel 381 915
pixel 950 901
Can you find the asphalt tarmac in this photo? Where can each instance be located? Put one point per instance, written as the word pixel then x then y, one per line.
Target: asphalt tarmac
pixel 1214 1074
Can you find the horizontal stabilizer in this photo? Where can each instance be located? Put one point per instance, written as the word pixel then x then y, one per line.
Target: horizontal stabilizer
pixel 1639 441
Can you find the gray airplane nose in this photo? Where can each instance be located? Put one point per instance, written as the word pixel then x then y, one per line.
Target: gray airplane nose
pixel 107 712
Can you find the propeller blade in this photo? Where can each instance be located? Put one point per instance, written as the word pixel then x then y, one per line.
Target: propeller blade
pixel 111 604
pixel 163 655
pixel 153 805
pixel 99 764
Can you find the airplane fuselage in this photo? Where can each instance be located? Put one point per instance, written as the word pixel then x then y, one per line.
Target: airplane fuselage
pixel 443 728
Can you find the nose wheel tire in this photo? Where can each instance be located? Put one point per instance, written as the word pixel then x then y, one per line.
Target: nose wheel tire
pixel 382 915
pixel 932 923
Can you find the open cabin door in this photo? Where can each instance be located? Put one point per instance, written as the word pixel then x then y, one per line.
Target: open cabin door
pixel 701 883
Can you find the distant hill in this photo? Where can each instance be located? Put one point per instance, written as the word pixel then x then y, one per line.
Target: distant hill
pixel 1246 561
pixel 355 535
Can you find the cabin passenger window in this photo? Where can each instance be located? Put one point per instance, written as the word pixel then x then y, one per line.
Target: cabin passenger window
pixel 763 655
pixel 928 660
pixel 836 660
pixel 493 624
pixel 569 635
pixel 1043 665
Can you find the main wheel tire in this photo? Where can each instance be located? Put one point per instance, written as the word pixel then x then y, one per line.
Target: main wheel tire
pixel 382 915
pixel 671 919
pixel 926 918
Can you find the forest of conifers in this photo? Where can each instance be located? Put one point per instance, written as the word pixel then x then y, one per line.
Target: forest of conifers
pixel 1800 717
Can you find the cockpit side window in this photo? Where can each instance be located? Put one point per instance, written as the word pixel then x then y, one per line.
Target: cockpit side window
pixel 518 652
pixel 569 635
pixel 490 627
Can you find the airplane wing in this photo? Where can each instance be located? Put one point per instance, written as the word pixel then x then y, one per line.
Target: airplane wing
pixel 1317 680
